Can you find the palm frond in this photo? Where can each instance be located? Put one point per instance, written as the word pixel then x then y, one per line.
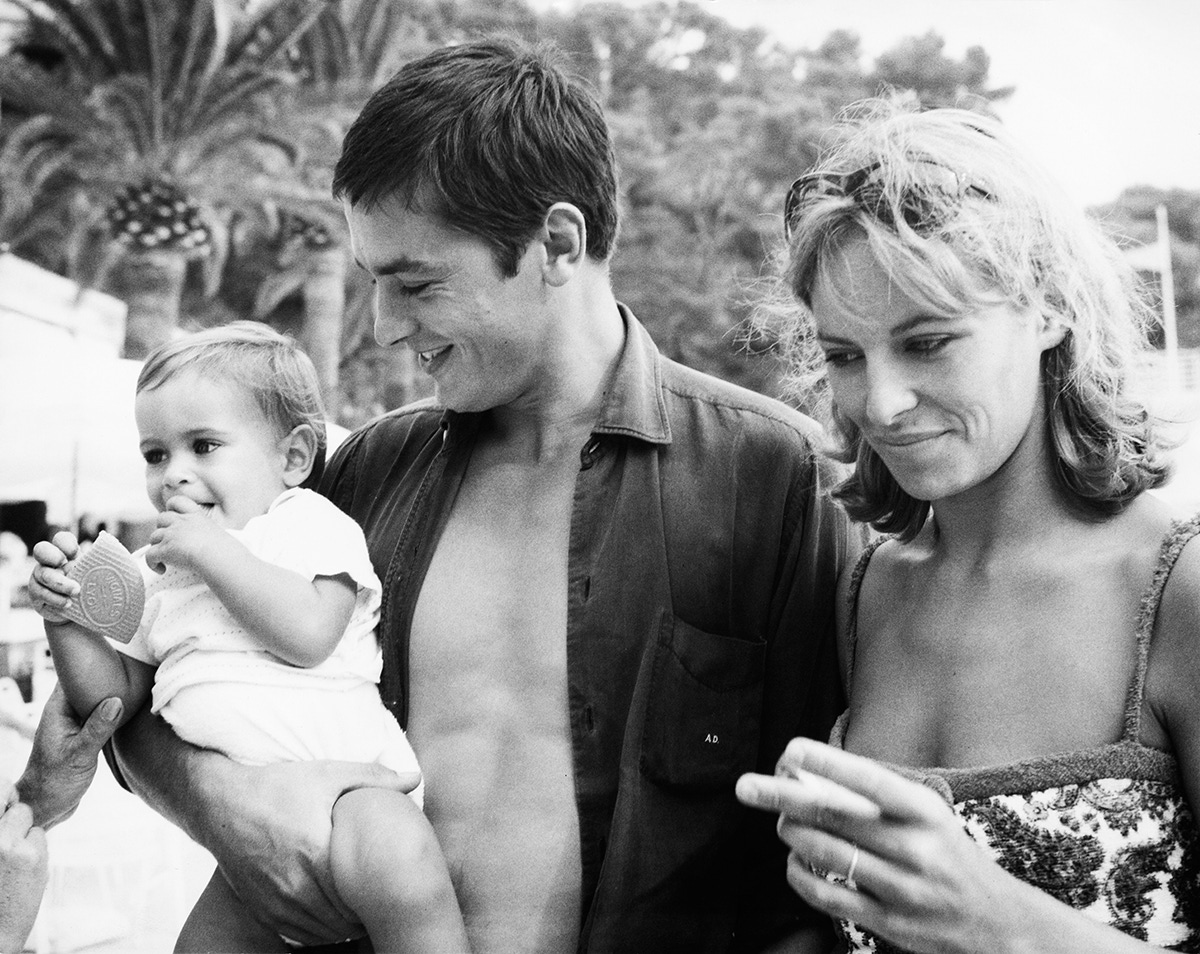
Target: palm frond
pixel 198 39
pixel 273 28
pixel 127 118
pixel 156 52
pixel 66 26
pixel 359 43
pixel 29 91
pixel 276 288
pixel 237 92
pixel 99 39
pixel 31 156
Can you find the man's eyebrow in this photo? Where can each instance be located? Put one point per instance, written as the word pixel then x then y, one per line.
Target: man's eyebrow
pixel 401 263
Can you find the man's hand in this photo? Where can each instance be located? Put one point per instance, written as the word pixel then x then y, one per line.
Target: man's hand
pixel 269 828
pixel 23 872
pixel 62 763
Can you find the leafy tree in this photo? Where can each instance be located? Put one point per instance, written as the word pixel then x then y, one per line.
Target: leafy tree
pixel 306 284
pixel 712 122
pixel 1132 219
pixel 920 64
pixel 145 124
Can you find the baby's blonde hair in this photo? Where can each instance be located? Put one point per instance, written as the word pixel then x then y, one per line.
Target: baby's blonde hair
pixel 269 366
pixel 960 218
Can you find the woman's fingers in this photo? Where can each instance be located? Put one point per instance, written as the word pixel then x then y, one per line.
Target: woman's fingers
pixel 806 798
pixel 831 854
pixel 835 898
pixel 893 794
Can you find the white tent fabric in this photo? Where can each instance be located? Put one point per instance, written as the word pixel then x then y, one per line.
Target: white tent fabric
pixel 68 437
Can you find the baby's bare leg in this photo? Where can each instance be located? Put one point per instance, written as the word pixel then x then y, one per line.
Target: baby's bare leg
pixel 388 867
pixel 221 923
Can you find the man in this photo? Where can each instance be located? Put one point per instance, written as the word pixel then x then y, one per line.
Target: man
pixel 608 579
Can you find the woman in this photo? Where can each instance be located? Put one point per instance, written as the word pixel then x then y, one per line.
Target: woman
pixel 1024 639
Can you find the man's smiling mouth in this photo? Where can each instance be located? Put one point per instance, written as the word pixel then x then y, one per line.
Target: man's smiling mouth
pixel 426 358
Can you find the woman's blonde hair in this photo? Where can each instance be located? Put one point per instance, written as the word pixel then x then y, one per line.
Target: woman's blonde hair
pixel 960 218
pixel 267 365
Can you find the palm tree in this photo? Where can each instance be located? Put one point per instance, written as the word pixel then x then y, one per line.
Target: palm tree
pixel 147 123
pixel 311 262
pixel 353 47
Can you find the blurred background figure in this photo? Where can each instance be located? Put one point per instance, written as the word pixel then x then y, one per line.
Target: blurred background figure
pixel 23 872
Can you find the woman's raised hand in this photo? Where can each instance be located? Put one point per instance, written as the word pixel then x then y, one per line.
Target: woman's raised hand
pixel 904 867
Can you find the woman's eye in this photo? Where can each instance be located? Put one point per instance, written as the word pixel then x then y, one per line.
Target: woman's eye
pixel 928 345
pixel 839 359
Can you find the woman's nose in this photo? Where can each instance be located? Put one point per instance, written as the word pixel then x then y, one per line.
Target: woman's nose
pixel 889 394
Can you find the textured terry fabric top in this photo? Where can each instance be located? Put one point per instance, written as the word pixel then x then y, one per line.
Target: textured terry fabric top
pixel 1106 830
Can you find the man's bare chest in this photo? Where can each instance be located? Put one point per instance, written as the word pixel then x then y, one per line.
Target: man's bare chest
pixel 488 714
pixel 494 596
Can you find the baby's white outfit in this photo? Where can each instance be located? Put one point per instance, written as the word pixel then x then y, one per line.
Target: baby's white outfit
pixel 219 689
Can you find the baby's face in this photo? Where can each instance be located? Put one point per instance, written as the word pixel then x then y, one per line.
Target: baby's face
pixel 207 440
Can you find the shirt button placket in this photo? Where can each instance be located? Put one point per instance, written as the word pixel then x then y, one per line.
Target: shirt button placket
pixel 590 453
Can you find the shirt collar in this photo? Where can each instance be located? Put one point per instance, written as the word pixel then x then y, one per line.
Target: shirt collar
pixel 633 402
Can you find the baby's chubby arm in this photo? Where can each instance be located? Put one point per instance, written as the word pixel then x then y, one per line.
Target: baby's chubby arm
pixel 298 620
pixel 88 667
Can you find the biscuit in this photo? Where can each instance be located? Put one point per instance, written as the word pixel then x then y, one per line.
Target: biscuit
pixel 112 594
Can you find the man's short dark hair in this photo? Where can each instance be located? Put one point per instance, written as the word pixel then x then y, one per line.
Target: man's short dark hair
pixel 496 132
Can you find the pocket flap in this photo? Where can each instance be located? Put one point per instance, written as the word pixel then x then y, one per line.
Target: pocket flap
pixel 704 709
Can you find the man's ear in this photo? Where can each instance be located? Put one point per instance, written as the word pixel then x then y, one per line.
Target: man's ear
pixel 299 449
pixel 564 238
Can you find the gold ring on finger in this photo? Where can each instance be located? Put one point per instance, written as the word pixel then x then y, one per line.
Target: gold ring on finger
pixel 850 882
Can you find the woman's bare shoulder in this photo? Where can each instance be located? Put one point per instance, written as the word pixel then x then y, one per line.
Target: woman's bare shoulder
pixel 1179 612
pixel 1173 680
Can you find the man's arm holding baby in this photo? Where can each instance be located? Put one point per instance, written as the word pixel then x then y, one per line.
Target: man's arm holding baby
pixel 267 826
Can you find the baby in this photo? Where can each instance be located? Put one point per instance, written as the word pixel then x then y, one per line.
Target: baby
pixel 258 634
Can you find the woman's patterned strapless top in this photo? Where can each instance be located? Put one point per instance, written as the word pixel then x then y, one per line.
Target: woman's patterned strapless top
pixel 1107 831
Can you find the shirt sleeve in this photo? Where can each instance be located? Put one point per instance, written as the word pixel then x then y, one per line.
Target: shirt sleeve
pixel 306 533
pixel 802 692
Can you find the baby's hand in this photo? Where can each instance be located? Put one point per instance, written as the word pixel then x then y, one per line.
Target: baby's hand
pixel 50 589
pixel 185 536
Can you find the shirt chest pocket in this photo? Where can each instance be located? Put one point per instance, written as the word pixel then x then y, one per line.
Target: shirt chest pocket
pixel 704 707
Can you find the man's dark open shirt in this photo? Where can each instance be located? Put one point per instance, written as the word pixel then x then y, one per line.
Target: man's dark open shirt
pixel 703 561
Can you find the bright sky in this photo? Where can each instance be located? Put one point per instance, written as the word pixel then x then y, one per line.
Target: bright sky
pixel 1108 91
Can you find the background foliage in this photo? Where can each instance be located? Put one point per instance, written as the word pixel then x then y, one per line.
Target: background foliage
pixel 235 113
